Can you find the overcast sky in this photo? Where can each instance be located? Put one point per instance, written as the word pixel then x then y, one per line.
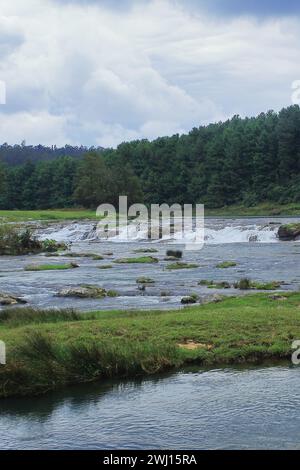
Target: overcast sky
pixel 101 72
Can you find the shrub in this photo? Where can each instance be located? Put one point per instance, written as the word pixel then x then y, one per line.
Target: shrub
pixel 15 241
pixel 243 284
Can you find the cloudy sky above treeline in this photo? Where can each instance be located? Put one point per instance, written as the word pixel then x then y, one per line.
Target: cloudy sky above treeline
pixel 100 72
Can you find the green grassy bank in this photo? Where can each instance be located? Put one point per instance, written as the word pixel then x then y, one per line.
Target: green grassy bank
pixel 50 349
pixel 47 215
pixel 266 209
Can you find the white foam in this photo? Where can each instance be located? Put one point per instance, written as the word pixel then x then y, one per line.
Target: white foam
pixel 241 234
pixel 68 233
pixel 213 233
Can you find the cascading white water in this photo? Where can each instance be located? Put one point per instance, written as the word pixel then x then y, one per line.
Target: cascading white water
pixel 215 233
pixel 71 232
pixel 242 234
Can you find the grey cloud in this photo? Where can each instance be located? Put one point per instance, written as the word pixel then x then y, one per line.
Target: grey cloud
pixel 95 76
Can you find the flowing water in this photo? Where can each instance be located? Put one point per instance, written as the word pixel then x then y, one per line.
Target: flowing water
pixel 256 408
pixel 251 243
pixel 226 408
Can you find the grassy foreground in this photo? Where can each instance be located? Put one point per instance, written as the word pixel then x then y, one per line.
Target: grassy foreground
pixel 49 349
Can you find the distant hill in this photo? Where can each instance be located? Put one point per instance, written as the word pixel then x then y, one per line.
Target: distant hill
pixel 14 155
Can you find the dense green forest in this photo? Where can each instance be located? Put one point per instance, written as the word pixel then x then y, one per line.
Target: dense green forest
pixel 15 155
pixel 240 161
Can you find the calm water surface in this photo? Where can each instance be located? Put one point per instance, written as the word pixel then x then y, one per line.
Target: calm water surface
pixel 256 408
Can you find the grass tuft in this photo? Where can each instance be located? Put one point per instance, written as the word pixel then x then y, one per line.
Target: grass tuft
pixel 27 315
pixel 180 265
pixel 50 267
pixel 226 264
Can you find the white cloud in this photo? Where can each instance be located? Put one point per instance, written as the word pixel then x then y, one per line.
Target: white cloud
pixel 36 128
pixel 99 76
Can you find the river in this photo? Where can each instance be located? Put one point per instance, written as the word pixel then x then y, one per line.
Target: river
pixel 192 409
pixel 251 243
pixel 254 408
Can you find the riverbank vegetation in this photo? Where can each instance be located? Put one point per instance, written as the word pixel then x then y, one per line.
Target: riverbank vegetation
pixel 50 349
pixel 62 215
pixel 19 241
pixel 240 163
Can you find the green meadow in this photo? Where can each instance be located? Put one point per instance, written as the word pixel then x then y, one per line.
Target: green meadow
pixel 50 349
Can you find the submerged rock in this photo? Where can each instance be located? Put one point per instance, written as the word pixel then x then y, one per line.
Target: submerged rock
pixel 8 299
pixel 177 254
pixel 145 280
pixel 289 232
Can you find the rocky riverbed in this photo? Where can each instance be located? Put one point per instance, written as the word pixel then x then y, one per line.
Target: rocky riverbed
pixel 234 249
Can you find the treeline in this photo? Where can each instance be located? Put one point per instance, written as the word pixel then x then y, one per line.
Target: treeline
pixel 67 182
pixel 14 155
pixel 244 161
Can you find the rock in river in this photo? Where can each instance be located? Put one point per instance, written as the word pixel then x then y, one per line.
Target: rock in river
pixel 289 232
pixel 8 299
pixel 83 292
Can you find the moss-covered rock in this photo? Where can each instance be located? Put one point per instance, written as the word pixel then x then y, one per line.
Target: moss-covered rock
pixel 146 250
pixel 94 256
pixel 50 267
pixel 215 285
pixel 180 265
pixel 247 284
pixel 289 232
pixel 83 292
pixel 144 280
pixel 141 260
pixel 189 300
pixel 112 293
pixel 226 264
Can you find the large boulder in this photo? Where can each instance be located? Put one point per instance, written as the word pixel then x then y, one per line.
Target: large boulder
pixel 8 299
pixel 289 232
pixel 83 292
